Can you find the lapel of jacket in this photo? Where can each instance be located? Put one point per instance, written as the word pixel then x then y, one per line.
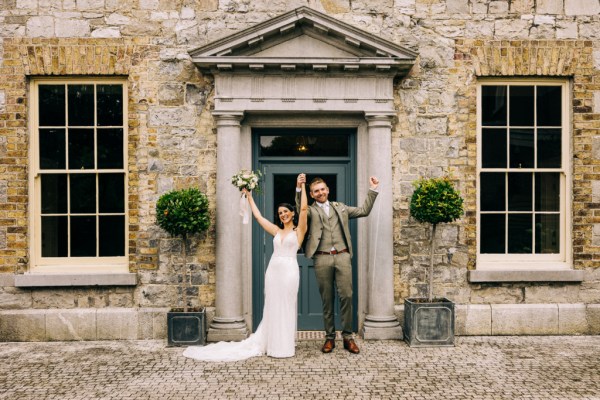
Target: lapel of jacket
pixel 320 212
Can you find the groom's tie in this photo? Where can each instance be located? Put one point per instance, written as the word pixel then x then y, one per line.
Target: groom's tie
pixel 325 207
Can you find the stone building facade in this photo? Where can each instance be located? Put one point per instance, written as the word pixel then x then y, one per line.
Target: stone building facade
pixel 502 95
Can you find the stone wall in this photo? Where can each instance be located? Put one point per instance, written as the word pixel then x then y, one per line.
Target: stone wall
pixel 172 137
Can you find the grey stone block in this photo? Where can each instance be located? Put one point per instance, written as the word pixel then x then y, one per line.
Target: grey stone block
pixel 572 319
pixel 593 319
pixel 72 324
pixel 152 323
pixel 473 319
pixel 23 326
pixel 524 319
pixel 117 324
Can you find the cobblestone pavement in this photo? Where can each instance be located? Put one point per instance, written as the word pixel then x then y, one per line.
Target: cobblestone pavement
pixel 556 367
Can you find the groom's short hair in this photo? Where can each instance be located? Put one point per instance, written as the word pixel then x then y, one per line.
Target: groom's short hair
pixel 315 181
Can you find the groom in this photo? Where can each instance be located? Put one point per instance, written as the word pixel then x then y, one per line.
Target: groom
pixel 330 246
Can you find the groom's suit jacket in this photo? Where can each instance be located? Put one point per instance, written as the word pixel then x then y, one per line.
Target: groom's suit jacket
pixel 345 213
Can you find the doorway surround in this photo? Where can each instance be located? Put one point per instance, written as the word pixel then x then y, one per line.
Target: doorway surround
pixel 304 69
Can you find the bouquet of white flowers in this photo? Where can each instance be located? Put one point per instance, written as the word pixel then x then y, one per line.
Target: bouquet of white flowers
pixel 246 180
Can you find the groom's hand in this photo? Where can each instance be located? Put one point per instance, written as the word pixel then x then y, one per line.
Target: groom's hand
pixel 300 180
pixel 374 182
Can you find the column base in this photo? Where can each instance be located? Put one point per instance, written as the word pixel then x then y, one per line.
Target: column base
pixel 227 330
pixel 382 329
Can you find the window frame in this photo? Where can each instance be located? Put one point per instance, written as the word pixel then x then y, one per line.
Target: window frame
pixel 71 265
pixel 557 261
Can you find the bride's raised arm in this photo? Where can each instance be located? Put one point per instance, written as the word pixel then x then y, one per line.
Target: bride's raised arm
pixel 267 225
pixel 302 215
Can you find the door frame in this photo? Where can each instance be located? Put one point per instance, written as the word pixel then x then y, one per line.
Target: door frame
pixel 310 120
pixel 260 238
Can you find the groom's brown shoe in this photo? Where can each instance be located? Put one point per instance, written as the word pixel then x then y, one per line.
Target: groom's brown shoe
pixel 328 346
pixel 351 346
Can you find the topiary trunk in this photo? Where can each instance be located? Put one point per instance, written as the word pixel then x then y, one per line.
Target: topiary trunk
pixel 431 253
pixel 184 273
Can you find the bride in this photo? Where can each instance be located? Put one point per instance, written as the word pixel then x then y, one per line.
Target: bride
pixel 276 334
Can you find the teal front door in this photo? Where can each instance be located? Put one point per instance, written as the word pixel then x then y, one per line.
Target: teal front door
pixel 279 183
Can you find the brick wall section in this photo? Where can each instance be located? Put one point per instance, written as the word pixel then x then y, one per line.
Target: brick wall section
pixel 549 58
pixel 426 148
pixel 153 147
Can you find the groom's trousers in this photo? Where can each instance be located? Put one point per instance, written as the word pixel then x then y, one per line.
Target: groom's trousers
pixel 329 269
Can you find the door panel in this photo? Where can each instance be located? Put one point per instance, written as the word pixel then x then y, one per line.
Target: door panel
pixel 279 187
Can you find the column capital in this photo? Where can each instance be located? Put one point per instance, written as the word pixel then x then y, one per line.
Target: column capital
pixel 380 119
pixel 231 118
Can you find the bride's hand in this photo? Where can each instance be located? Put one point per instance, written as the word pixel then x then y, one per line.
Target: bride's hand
pixel 246 192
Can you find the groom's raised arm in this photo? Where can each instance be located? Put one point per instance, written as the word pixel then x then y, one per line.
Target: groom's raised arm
pixel 365 209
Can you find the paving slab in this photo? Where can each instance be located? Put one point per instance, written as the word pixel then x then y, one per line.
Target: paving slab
pixel 478 367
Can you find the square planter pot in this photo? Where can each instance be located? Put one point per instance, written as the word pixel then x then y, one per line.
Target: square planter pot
pixel 429 324
pixel 186 328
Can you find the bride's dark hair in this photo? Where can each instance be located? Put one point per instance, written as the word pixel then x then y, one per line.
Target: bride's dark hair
pixel 289 207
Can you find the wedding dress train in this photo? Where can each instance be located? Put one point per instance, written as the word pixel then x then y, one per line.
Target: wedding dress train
pixel 276 333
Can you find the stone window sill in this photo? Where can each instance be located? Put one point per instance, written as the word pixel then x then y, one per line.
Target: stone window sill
pixel 51 280
pixel 534 275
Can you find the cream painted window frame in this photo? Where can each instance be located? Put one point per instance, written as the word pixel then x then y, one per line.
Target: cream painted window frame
pixel 532 262
pixel 70 265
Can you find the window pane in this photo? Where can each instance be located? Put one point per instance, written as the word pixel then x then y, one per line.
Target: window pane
pixel 54 237
pixel 52 148
pixel 110 105
pixel 83 193
pixel 81 105
pixel 547 233
pixel 492 233
pixel 305 146
pixel 521 148
pixel 549 148
pixel 83 236
pixel 112 235
pixel 110 148
pixel 547 191
pixel 493 148
pixel 111 189
pixel 519 233
pixel 549 106
pixel 51 105
pixel 493 187
pixel 81 148
pixel 493 105
pixel 520 192
pixel 521 105
pixel 54 194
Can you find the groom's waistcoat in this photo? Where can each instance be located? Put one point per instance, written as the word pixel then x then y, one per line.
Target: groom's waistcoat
pixel 332 235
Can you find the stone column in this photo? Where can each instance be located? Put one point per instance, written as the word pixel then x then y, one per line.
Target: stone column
pixel 228 323
pixel 381 322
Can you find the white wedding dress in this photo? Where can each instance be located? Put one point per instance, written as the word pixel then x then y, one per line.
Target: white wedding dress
pixel 276 333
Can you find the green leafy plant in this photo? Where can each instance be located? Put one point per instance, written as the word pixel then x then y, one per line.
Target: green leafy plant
pixel 434 201
pixel 183 213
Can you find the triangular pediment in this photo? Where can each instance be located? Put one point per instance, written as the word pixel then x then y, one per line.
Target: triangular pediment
pixel 304 39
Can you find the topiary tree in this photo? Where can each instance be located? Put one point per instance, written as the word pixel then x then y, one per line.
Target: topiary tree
pixel 435 201
pixel 183 213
